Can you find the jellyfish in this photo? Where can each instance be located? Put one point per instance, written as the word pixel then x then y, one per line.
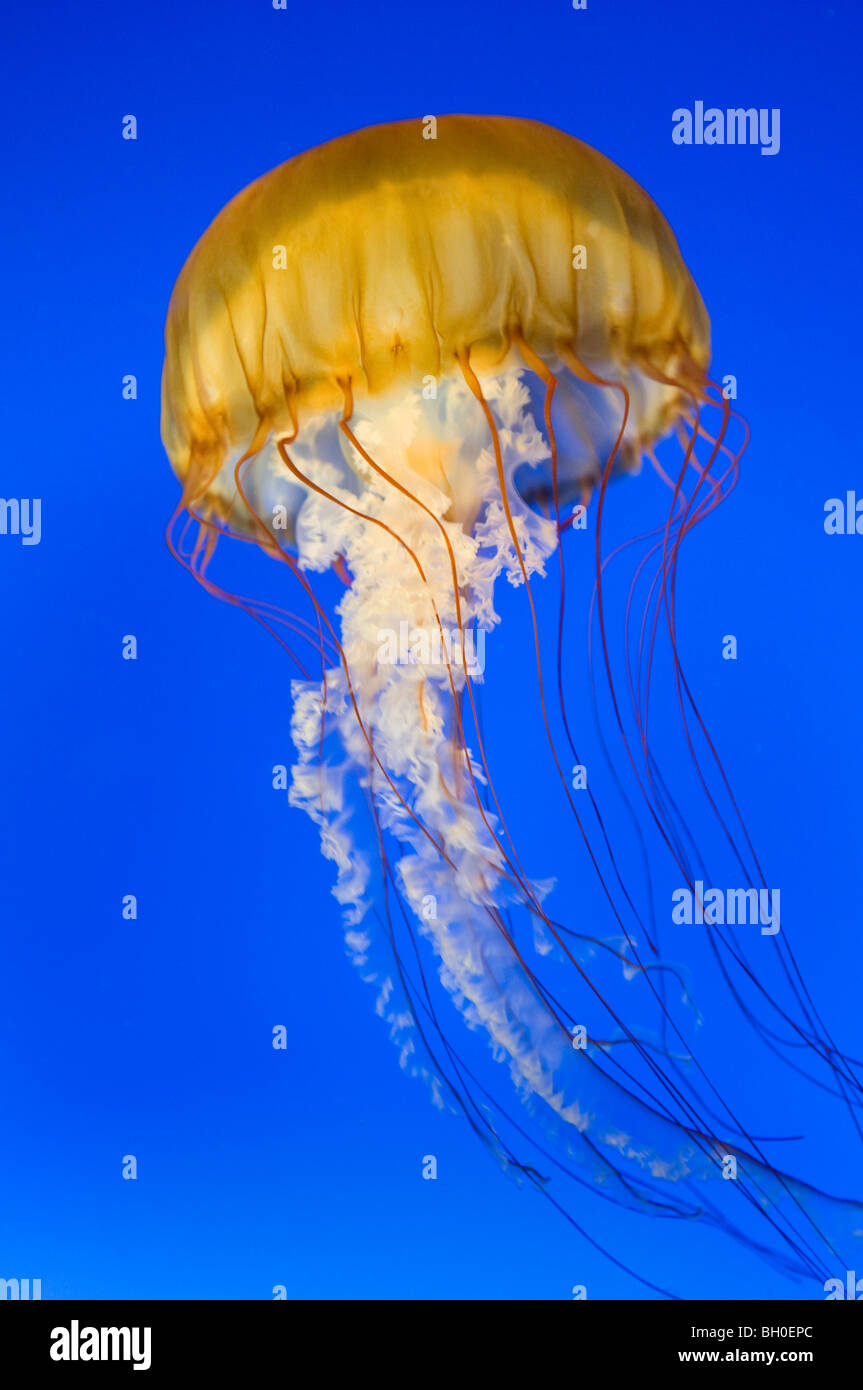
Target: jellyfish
pixel 407 366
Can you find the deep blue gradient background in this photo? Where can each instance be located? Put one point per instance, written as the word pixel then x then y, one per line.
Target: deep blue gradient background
pixel 302 1168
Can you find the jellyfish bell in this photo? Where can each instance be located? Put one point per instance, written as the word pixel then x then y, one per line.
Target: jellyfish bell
pixel 402 358
pixel 385 260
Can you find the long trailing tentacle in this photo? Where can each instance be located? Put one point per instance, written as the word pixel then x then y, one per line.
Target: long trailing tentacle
pixel 514 1002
